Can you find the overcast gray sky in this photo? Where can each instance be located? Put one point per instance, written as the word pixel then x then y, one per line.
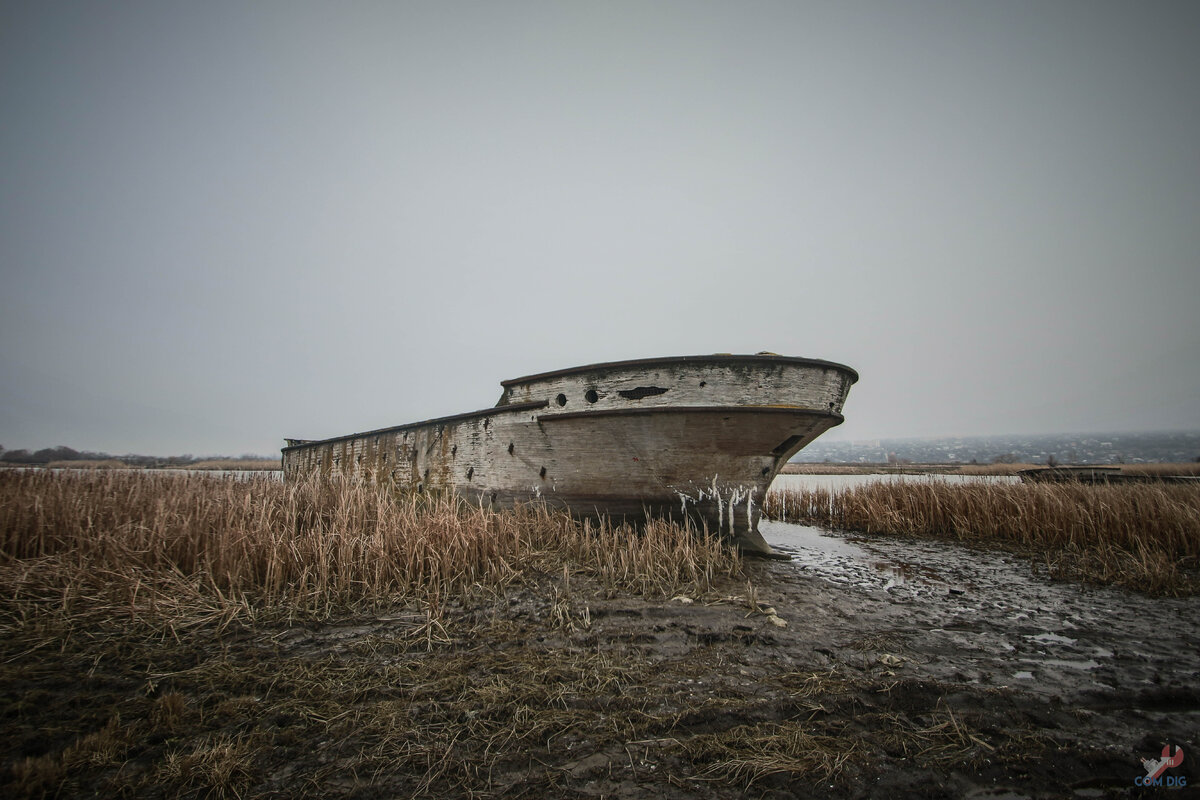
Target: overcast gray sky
pixel 224 223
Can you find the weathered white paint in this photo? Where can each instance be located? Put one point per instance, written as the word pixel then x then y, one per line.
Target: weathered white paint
pixel 707 451
pixel 752 381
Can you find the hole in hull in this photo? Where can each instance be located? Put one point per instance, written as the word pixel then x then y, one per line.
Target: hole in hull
pixel 642 391
pixel 787 444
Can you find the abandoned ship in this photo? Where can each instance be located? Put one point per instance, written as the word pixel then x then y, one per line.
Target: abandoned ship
pixel 696 437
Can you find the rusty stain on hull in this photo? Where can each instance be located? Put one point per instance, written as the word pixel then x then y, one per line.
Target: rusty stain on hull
pixel 696 437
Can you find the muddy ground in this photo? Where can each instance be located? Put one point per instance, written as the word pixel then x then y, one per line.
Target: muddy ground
pixel 861 668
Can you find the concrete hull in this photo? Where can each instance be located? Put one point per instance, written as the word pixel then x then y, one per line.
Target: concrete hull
pixel 693 437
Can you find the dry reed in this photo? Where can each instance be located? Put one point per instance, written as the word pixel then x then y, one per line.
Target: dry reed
pixel 1185 468
pixel 100 463
pixel 809 468
pixel 1164 469
pixel 1144 537
pixel 197 547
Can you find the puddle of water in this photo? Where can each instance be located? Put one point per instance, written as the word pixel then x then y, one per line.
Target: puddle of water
pixel 895 574
pixel 840 558
pixel 833 557
pixel 807 540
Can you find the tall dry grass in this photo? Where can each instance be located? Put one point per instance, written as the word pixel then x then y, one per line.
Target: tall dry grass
pixel 1154 470
pixel 811 468
pixel 190 548
pixel 1143 536
pixel 1185 468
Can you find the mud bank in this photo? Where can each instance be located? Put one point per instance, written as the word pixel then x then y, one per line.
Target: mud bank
pixel 1109 676
pixel 860 668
